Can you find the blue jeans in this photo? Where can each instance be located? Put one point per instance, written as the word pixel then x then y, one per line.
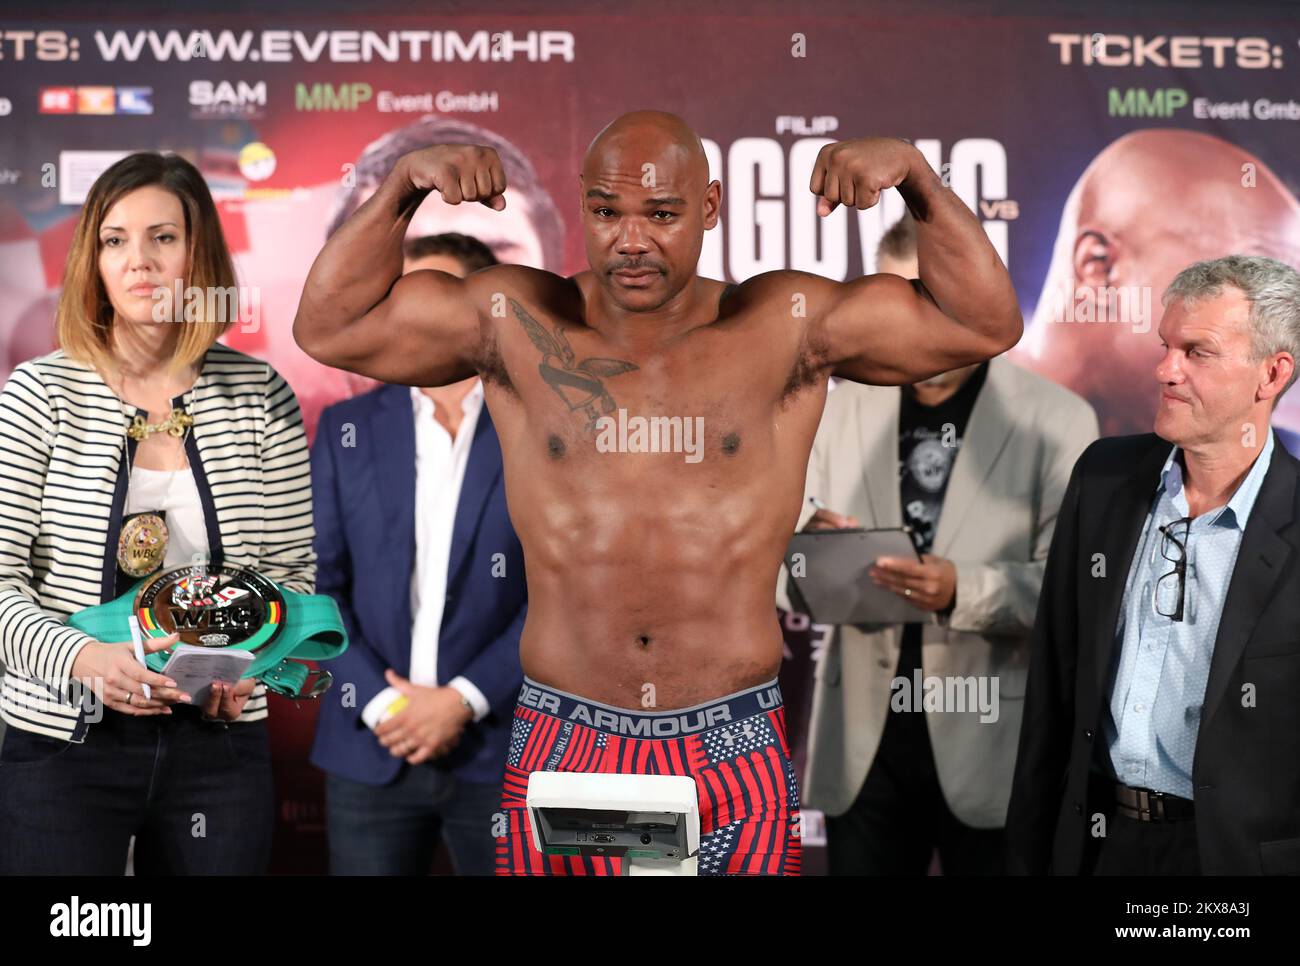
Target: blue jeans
pixel 394 829
pixel 197 796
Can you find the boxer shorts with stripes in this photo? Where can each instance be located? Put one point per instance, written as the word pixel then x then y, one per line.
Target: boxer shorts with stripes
pixel 734 747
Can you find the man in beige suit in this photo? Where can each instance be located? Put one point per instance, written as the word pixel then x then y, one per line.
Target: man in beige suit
pixel 914 727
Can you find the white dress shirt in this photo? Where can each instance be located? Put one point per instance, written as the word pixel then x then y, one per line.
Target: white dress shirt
pixel 175 492
pixel 440 463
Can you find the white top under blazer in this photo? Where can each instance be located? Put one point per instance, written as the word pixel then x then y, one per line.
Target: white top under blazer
pixel 63 492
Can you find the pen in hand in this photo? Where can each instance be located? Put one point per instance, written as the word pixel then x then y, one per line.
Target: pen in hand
pixel 137 640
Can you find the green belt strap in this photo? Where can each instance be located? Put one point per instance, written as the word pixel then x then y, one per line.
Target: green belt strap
pixel 312 631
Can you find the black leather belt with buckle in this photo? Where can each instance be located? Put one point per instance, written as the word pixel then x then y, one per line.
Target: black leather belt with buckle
pixel 1148 806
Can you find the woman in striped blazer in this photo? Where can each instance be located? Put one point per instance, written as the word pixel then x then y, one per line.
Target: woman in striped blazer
pixel 87 760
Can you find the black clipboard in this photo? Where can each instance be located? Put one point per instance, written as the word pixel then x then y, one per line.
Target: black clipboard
pixel 828 571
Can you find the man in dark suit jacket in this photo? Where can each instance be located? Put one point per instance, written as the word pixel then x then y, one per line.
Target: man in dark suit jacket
pixel 1161 731
pixel 415 543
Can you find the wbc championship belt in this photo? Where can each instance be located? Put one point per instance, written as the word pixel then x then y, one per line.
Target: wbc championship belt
pixel 232 607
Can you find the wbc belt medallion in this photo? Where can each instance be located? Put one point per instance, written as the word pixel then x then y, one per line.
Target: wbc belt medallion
pixel 223 606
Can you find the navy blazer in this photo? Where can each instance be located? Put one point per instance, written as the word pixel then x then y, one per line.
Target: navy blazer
pixel 363 483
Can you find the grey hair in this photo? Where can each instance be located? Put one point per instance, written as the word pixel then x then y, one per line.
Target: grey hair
pixel 1271 287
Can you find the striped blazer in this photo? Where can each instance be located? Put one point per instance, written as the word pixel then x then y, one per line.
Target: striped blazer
pixel 63 485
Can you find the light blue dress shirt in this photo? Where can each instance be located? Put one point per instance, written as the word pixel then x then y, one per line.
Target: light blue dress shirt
pixel 1163 665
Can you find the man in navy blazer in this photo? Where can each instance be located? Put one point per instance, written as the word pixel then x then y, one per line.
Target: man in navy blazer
pixel 413 736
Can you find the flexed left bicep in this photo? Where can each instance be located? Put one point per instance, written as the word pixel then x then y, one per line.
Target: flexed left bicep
pixel 886 330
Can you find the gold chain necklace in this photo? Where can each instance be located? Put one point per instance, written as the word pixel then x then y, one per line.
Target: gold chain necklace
pixel 142 541
pixel 174 425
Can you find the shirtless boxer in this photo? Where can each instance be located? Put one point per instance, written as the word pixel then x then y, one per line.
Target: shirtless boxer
pixel 651 644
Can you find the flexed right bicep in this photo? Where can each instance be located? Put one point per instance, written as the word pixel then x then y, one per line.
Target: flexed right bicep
pixel 425 331
pixel 358 310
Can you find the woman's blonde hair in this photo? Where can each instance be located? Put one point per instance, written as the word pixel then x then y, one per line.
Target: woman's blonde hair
pixel 84 320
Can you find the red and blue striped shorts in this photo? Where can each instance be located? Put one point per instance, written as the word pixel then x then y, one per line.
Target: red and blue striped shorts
pixel 734 748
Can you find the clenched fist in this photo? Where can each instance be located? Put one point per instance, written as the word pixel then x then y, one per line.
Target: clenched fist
pixel 854 173
pixel 458 172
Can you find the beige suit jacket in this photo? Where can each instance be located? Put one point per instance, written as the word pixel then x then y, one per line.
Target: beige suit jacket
pixel 999 510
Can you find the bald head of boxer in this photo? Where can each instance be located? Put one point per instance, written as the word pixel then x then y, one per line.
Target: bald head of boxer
pixel 655 425
pixel 646 162
pixel 1148 205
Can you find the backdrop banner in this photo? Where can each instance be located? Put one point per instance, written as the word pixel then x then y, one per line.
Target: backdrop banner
pixel 1102 154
